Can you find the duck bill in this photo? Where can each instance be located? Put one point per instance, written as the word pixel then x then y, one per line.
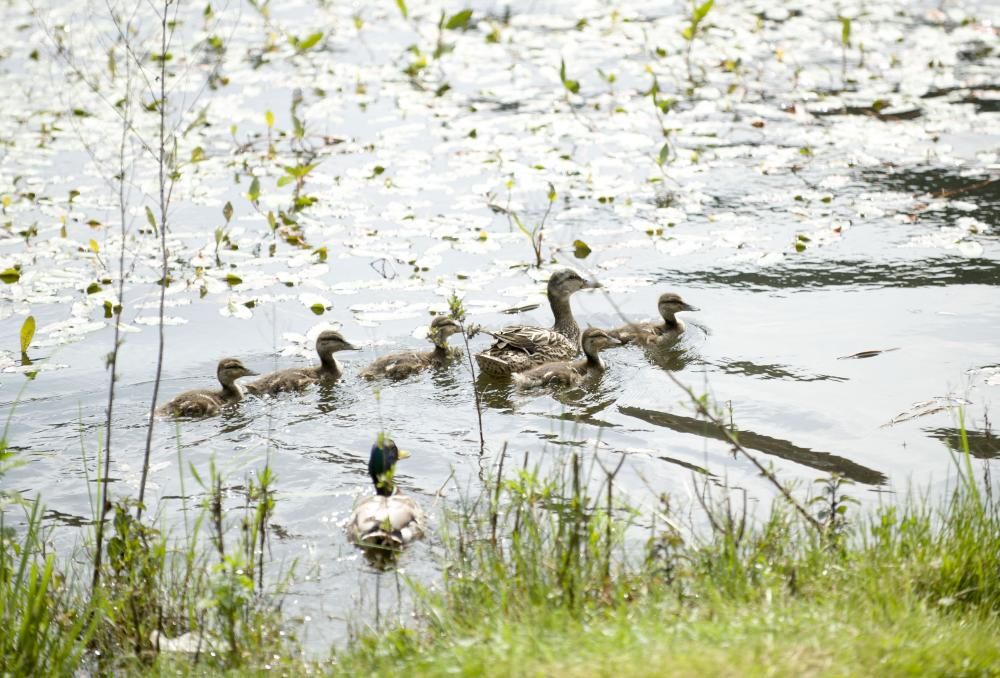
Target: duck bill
pixel 250 373
pixel 591 285
pixel 351 347
pixel 689 307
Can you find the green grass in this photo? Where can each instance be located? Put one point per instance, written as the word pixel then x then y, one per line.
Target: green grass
pixel 545 574
pixel 905 590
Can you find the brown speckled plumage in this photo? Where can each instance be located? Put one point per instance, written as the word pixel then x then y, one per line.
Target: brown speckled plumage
pixel 406 363
pixel 207 402
pixel 567 373
pixel 649 333
pixel 521 347
pixel 299 378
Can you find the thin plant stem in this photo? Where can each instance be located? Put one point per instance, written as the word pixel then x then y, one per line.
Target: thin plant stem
pixel 102 481
pixel 164 204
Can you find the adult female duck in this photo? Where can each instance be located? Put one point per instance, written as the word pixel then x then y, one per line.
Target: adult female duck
pixel 520 347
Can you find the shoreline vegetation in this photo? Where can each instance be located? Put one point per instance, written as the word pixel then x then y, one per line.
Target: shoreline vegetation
pixel 546 569
pixel 542 573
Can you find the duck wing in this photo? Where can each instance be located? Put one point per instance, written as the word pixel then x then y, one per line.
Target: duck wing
pixel 387 522
pixel 520 347
pixel 292 379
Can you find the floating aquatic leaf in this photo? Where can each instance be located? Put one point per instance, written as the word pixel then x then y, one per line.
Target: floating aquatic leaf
pixel 94 247
pixel 580 249
pixel 10 275
pixel 232 279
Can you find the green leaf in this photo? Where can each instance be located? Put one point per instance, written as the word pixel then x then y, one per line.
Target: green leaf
pixel 661 159
pixel 572 86
pixel 459 20
pixel 93 288
pixel 232 279
pixel 309 42
pixel 269 119
pixel 27 333
pixel 254 193
pixel 580 249
pixel 845 31
pixel 285 180
pixel 551 195
pixel 702 10
pixel 197 154
pixel 94 247
pixel 227 211
pixel 318 309
pixel 321 253
pixel 402 8
pixel 10 275
pixel 150 218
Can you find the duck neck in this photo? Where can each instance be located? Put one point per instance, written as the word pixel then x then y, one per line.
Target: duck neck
pixel 440 352
pixel 565 323
pixel 593 359
pixel 230 389
pixel 670 321
pixel 329 365
pixel 385 487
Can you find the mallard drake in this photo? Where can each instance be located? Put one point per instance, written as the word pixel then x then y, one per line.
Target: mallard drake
pixel 648 333
pixel 298 378
pixel 520 347
pixel 405 363
pixel 206 402
pixel 566 373
pixel 389 520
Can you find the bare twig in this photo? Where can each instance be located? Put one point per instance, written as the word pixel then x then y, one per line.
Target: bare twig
pixel 165 270
pixel 730 437
pixel 103 505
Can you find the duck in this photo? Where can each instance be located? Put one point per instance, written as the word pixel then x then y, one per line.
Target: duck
pixel 206 402
pixel 298 378
pixel 650 333
pixel 406 363
pixel 569 373
pixel 389 520
pixel 521 347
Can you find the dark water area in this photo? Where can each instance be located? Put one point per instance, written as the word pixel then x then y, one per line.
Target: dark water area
pixel 810 226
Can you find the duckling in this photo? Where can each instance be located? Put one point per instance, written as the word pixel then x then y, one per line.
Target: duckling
pixel 206 402
pixel 648 333
pixel 389 520
pixel 520 347
pixel 403 364
pixel 569 373
pixel 298 378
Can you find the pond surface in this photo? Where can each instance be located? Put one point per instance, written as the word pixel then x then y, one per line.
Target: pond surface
pixel 814 200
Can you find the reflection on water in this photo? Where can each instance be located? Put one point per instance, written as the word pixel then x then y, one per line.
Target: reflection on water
pixel 935 272
pixel 982 444
pixel 762 371
pixel 822 461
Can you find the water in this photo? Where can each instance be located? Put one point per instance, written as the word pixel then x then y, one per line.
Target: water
pixel 884 264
